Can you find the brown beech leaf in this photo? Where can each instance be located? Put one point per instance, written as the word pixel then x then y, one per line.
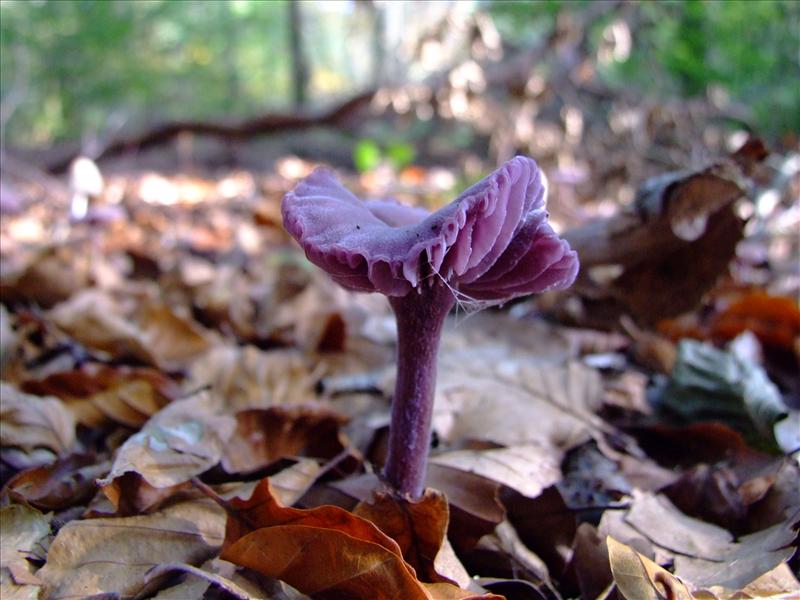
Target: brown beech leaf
pixel 474 506
pixel 149 332
pixel 219 573
pixel 705 554
pixel 291 483
pixel 263 436
pixel 262 509
pixel 33 422
pixel 251 378
pixel 475 509
pixel 775 320
pixel 545 524
pixel 181 441
pixel 98 394
pixel 419 528
pixel 45 277
pixel 67 482
pixel 588 564
pixel 502 552
pixel 23 528
pixel 711 493
pixel 112 556
pixel 326 552
pixel 528 469
pixel 496 395
pixel 639 577
pixel 665 288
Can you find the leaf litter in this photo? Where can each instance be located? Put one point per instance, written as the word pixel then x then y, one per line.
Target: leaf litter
pixel 188 410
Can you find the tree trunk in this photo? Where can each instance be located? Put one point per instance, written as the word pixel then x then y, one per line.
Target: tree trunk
pixel 300 71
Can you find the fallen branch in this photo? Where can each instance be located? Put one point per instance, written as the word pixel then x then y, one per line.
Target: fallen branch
pixel 227 131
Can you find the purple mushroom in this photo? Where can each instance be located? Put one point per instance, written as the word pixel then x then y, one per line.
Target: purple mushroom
pixel 491 244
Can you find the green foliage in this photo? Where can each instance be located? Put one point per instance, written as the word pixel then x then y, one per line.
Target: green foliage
pixel 367 154
pixel 400 154
pixel 77 62
pixel 748 49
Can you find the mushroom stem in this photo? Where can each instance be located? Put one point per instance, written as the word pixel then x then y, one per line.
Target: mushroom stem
pixel 420 318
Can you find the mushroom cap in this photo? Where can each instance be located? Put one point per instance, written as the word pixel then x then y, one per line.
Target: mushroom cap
pixel 492 243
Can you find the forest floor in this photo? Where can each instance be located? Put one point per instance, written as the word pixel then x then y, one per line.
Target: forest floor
pixel 175 375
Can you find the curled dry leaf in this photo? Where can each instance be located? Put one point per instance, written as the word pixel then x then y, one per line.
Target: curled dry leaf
pixel 98 394
pixel 67 482
pixel 151 332
pixel 672 244
pixel 23 528
pixel 33 422
pixel 703 554
pixel 251 378
pixel 265 435
pixel 181 441
pixel 326 552
pixel 45 276
pixel 503 553
pixel 528 469
pixel 639 577
pixel 475 509
pixel 420 529
pixel 105 556
pixel 201 577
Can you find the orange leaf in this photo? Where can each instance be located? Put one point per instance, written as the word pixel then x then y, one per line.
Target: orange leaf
pixel 775 320
pixel 326 551
pixel 419 528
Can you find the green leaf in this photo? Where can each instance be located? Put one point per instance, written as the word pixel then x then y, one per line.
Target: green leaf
pixel 712 384
pixel 400 154
pixel 366 155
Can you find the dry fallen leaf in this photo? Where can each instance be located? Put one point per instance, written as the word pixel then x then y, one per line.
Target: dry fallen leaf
pixel 263 436
pixel 67 482
pixel 326 552
pixel 251 378
pixel 32 422
pixel 181 441
pixel 489 394
pixel 219 573
pixel 146 331
pixel 105 556
pixel 703 554
pixel 46 276
pixel 420 529
pixel 639 578
pixel 475 509
pixel 22 529
pixel 98 394
pixel 528 469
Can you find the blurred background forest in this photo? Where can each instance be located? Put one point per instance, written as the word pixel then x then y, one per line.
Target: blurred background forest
pixel 89 70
